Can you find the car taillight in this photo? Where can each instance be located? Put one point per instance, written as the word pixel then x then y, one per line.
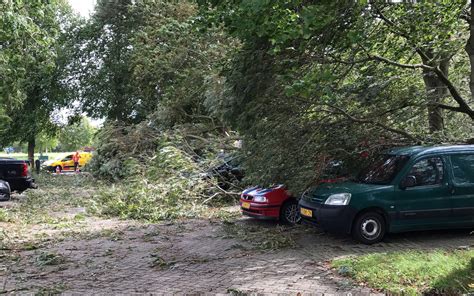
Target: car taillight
pixel 24 171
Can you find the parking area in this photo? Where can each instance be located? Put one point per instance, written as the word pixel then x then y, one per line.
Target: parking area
pixel 196 257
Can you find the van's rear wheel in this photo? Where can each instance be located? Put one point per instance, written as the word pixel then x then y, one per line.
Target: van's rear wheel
pixel 369 228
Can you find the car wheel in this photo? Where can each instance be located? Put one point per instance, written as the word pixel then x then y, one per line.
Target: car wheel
pixel 289 213
pixel 369 228
pixel 5 197
pixel 58 168
pixel 5 193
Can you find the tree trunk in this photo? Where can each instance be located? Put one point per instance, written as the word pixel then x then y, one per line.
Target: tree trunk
pixel 436 90
pixel 31 152
pixel 469 48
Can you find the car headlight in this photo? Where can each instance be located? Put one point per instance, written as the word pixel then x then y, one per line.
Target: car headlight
pixel 260 198
pixel 339 199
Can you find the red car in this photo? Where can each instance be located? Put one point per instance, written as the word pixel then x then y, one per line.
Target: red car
pixel 274 203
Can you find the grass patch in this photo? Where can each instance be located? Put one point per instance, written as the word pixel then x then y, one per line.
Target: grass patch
pixel 52 206
pixel 4 215
pixel 55 289
pixel 159 262
pixel 55 194
pixel 45 259
pixel 24 156
pixel 261 238
pixel 413 272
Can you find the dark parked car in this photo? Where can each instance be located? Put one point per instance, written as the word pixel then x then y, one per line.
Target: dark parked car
pixel 227 172
pixel 406 189
pixel 16 173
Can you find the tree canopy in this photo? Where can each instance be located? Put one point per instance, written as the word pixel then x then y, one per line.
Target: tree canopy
pixel 300 82
pixel 336 78
pixel 36 38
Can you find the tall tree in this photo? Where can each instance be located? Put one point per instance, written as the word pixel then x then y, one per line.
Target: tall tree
pixel 44 82
pixel 104 48
pixel 23 40
pixel 136 58
pixel 76 135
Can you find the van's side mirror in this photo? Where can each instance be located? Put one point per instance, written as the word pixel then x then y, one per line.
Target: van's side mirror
pixel 409 181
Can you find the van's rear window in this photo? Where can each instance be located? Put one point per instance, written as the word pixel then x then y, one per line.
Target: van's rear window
pixel 383 169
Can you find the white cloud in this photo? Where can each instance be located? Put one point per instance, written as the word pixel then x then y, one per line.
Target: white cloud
pixel 83 7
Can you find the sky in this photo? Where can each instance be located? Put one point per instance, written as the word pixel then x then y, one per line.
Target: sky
pixel 83 7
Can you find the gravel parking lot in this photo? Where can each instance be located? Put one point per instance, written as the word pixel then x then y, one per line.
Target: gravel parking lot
pixel 196 257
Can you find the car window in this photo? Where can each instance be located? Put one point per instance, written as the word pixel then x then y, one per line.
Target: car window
pixel 69 157
pixel 463 169
pixel 428 171
pixel 383 169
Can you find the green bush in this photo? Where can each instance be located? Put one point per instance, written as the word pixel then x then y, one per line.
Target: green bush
pixel 153 177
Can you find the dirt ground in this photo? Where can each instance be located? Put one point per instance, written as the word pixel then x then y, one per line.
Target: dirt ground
pixel 196 256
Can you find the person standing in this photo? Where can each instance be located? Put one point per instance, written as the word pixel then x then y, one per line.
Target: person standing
pixel 76 158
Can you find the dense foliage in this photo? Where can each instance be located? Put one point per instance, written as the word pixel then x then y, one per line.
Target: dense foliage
pixel 148 68
pixel 76 135
pixel 331 79
pixel 299 82
pixel 163 174
pixel 24 40
pixel 138 59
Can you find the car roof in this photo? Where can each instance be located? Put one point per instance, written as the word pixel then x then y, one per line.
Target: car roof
pixel 422 150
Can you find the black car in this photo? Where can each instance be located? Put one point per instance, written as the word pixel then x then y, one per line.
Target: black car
pixel 228 172
pixel 16 173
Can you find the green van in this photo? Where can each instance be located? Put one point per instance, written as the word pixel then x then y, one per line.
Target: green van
pixel 406 189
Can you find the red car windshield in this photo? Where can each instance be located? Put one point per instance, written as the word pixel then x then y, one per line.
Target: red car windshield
pixel 383 170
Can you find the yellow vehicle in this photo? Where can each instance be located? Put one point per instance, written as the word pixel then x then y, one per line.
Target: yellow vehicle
pixel 65 163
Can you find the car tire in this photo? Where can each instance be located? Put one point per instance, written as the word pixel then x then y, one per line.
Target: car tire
pixel 6 194
pixel 289 213
pixel 56 169
pixel 369 228
pixel 5 197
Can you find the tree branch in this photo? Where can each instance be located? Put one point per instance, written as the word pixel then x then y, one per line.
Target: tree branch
pixel 447 107
pixel 394 63
pixel 463 106
pixel 370 121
